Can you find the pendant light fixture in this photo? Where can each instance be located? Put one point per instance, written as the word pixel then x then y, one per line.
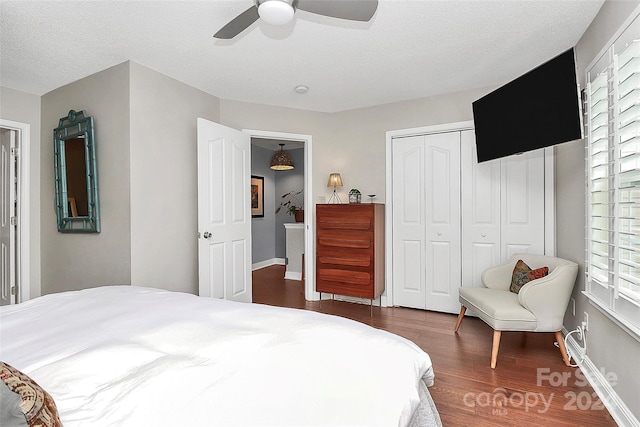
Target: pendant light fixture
pixel 281 160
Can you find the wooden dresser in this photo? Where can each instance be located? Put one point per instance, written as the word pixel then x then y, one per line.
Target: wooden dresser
pixel 350 249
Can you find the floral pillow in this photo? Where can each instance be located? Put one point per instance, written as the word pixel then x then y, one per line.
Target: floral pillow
pixel 523 274
pixel 36 404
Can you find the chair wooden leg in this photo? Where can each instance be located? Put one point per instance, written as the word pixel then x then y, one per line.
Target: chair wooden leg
pixel 494 348
pixel 563 349
pixel 463 309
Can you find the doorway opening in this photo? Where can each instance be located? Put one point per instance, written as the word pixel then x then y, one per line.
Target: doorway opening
pixel 14 212
pixel 266 143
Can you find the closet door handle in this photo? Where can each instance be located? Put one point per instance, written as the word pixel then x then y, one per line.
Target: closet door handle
pixel 207 235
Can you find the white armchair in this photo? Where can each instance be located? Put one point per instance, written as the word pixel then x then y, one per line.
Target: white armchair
pixel 538 307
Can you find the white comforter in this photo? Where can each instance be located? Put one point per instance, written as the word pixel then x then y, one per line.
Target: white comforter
pixel 130 356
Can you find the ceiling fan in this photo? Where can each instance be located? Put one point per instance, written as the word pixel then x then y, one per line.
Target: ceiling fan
pixel 280 12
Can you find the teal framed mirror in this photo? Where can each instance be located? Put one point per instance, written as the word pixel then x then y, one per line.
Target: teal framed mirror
pixel 76 174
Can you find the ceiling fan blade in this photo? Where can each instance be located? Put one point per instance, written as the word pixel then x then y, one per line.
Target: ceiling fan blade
pixel 354 10
pixel 238 24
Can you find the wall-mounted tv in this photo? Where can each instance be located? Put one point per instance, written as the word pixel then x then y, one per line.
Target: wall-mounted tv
pixel 538 109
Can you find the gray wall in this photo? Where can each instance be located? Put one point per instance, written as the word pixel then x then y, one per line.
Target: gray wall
pixel 609 348
pixel 286 181
pixel 351 142
pixel 263 231
pixel 25 108
pixel 163 179
pixel 78 261
pixel 146 148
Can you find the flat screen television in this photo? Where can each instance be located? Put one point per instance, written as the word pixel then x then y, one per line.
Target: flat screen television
pixel 538 109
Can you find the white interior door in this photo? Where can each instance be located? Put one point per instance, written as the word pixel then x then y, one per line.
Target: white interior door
pixel 503 208
pixel 224 212
pixel 443 248
pixel 409 223
pixel 426 217
pixel 523 198
pixel 480 212
pixel 7 213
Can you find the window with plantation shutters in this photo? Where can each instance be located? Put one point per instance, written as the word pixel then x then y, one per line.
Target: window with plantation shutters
pixel 612 121
pixel 629 170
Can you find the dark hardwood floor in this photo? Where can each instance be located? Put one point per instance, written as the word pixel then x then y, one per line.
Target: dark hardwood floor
pixel 530 385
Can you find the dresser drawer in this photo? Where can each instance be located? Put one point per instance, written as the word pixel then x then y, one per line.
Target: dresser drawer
pixel 362 223
pixel 345 282
pixel 344 258
pixel 362 278
pixel 352 241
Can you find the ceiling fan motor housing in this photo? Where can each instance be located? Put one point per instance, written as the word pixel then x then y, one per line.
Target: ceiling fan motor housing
pixel 276 12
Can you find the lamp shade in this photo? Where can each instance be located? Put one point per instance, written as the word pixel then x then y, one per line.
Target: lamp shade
pixel 281 160
pixel 335 180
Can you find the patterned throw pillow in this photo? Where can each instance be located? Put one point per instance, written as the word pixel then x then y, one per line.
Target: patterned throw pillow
pixel 523 274
pixel 37 405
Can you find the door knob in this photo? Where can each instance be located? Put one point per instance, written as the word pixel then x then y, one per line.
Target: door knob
pixel 207 235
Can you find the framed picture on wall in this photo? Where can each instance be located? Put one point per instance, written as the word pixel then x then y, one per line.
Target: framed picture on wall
pixel 257 196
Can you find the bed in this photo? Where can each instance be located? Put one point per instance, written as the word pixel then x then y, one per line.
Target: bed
pixel 133 356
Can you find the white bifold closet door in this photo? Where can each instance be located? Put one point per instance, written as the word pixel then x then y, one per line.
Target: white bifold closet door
pixel 426 221
pixel 454 217
pixel 503 209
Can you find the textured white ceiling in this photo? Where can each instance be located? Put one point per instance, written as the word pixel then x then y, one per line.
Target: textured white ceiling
pixel 410 49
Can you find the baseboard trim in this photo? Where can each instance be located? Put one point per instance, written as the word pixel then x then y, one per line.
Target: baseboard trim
pixel 614 404
pixel 293 275
pixel 267 263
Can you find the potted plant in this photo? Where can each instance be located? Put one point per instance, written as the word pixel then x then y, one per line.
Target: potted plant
pixel 293 204
pixel 354 196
